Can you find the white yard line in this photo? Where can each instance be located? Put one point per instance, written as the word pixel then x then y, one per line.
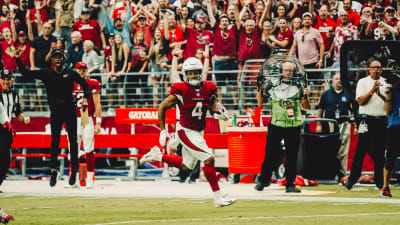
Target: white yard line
pixel 251 218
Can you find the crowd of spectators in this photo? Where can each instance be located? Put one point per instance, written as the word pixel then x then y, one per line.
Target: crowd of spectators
pixel 117 37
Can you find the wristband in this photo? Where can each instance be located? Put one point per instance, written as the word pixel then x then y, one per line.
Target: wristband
pixel 207 57
pixel 98 119
pixel 370 93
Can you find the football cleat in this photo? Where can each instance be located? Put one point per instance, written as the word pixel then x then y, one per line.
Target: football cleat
pixel 223 200
pixel 386 192
pixel 153 155
pixel 4 217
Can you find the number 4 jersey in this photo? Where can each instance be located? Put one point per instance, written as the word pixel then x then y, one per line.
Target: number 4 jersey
pixel 193 103
pixel 94 86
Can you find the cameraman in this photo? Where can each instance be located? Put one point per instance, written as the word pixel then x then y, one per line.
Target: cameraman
pixel 371 130
pixel 392 107
pixel 285 124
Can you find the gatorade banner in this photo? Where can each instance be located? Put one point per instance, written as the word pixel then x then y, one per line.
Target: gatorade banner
pixel 142 116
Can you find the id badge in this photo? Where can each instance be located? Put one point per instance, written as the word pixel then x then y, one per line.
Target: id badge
pixel 337 114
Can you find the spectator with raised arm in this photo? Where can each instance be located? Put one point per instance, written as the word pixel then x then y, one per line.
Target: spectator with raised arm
pixel 138 23
pixel 158 57
pixel 225 49
pixel 118 26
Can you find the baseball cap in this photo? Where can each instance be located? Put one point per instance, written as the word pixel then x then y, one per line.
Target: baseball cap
pixel 23 1
pixel 306 14
pixel 80 65
pixel 378 8
pixel 142 17
pixel 85 11
pixel 57 51
pixel 21 32
pixel 6 73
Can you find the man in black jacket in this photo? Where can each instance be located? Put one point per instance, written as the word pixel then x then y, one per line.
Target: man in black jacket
pixel 59 84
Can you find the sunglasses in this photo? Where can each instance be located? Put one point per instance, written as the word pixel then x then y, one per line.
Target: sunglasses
pixel 390 10
pixel 376 67
pixel 302 38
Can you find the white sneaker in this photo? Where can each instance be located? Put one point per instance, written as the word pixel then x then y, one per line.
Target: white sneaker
pixel 221 200
pixel 153 155
pixel 89 180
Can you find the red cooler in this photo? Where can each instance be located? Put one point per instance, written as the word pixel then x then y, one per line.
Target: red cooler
pixel 246 147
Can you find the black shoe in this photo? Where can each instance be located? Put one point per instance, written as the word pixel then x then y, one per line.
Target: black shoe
pixel 260 186
pixel 348 185
pixel 292 189
pixel 53 178
pixel 72 178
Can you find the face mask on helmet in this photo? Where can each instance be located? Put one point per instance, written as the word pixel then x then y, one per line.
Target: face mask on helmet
pixel 192 71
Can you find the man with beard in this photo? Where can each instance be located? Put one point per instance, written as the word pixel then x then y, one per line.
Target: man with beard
pixel 118 26
pixel 59 84
pixel 336 103
pixel 196 38
pixel 354 18
pixel 224 50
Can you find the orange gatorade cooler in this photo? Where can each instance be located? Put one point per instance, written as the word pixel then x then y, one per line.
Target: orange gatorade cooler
pixel 246 149
pixel 82 174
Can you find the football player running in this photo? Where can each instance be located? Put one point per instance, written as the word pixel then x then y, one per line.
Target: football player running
pixel 86 128
pixel 193 97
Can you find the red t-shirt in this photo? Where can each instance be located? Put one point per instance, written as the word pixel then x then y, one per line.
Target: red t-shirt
pixel 249 47
pixel 195 103
pixel 148 33
pixel 354 18
pixel 225 41
pixel 44 15
pixel 324 27
pixel 288 36
pixel 174 36
pixel 195 41
pixel 90 31
pixel 7 55
pixel 25 54
pixel 94 86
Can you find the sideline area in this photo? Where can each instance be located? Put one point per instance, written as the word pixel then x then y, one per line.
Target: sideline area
pixel 173 189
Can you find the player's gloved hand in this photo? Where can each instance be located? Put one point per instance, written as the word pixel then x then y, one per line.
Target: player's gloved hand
pixel 7 125
pixel 222 114
pixel 163 138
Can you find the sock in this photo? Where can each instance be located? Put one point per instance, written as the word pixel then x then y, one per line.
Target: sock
pixel 90 160
pixel 210 174
pixel 173 160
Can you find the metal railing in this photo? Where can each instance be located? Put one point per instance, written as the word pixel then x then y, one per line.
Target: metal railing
pixel 149 89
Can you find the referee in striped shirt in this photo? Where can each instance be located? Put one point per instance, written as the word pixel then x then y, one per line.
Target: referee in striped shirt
pixel 9 100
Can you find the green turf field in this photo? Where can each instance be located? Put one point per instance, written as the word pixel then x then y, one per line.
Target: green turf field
pixel 93 210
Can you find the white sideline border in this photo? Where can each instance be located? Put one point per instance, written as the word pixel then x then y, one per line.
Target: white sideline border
pixel 250 218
